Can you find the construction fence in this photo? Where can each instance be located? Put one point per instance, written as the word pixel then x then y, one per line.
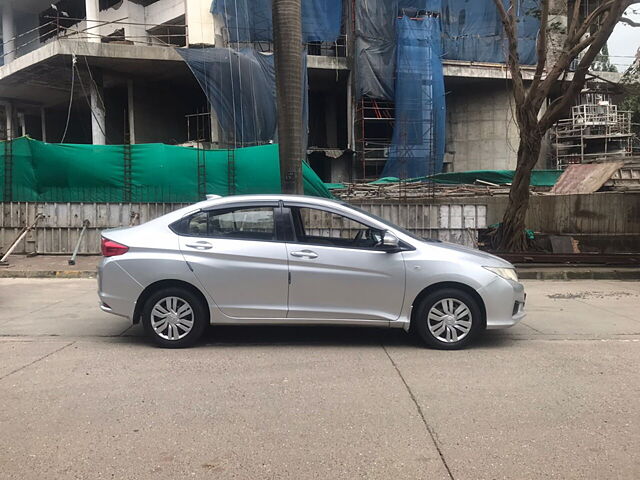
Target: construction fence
pixel 59 228
pixel 34 171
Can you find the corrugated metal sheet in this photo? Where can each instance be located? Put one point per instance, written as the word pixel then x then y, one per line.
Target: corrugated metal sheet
pixel 585 178
pixel 627 177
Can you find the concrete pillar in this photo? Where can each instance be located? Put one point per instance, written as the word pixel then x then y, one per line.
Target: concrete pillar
pixel 8 111
pixel 131 118
pixel 339 169
pixel 92 8
pixel 331 122
pixel 98 113
pixel 351 113
pixel 43 124
pixel 22 124
pixel 8 32
pixel 215 127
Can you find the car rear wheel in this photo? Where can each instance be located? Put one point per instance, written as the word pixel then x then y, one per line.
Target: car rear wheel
pixel 448 319
pixel 174 317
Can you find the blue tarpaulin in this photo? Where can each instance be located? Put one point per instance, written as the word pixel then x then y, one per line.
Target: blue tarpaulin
pixel 471 30
pixel 241 88
pixel 417 145
pixel 250 20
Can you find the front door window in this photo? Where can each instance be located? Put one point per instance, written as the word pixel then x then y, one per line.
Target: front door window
pixel 322 227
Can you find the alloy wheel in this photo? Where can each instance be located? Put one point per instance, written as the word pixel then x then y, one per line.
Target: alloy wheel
pixel 449 320
pixel 172 318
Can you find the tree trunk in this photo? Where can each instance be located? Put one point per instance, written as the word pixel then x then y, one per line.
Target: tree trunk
pixel 287 38
pixel 511 234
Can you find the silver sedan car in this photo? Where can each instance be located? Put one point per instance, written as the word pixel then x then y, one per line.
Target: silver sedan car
pixel 296 260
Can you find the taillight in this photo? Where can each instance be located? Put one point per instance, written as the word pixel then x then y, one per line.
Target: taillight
pixel 111 249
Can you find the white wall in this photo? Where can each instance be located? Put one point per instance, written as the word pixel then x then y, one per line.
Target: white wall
pixel 164 11
pixel 202 27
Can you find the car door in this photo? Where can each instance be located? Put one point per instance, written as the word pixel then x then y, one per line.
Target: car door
pixel 237 257
pixel 336 270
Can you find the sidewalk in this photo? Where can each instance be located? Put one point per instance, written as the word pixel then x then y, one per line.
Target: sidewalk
pixel 57 266
pixel 50 266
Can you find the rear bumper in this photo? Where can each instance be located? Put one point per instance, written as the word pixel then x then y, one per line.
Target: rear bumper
pixel 107 309
pixel 504 302
pixel 117 290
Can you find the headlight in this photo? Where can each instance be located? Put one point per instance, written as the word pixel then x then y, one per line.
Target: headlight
pixel 506 273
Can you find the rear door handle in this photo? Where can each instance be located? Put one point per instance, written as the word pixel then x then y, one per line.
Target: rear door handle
pixel 304 253
pixel 201 245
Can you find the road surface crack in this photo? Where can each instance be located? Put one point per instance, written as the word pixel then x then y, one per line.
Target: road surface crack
pixel 420 412
pixel 36 360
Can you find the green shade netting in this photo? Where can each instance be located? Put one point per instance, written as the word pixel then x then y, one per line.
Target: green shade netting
pixel 157 172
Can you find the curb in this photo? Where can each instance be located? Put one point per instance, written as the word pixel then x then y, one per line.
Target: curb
pixel 523 274
pixel 579 274
pixel 48 274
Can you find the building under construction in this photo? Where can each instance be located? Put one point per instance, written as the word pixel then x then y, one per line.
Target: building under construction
pixel 401 88
pixel 597 131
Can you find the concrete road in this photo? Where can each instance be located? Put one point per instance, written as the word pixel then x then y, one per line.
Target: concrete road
pixel 83 395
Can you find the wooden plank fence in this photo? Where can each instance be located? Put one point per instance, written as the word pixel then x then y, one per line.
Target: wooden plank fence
pixel 58 231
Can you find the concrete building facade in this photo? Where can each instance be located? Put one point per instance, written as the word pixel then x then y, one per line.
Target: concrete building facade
pixel 107 72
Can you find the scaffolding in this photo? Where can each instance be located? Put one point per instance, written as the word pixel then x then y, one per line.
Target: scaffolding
pixel 375 120
pixel 594 133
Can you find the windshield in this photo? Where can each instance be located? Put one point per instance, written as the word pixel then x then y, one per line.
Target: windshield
pixel 389 224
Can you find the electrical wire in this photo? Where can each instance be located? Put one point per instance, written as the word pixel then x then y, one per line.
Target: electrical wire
pixel 87 98
pixel 94 83
pixel 240 80
pixel 73 77
pixel 233 95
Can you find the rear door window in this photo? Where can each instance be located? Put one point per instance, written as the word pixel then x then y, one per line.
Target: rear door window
pixel 244 223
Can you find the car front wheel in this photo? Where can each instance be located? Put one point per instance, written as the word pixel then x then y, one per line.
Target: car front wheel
pixel 174 318
pixel 448 319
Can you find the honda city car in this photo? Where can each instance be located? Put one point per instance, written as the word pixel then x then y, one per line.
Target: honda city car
pixel 298 260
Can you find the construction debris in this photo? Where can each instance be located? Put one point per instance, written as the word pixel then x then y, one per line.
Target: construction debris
pixel 416 190
pixel 585 178
pixel 626 178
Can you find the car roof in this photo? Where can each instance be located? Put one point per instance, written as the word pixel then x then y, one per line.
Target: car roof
pixel 268 197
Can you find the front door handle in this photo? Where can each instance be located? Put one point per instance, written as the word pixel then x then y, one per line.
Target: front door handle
pixel 304 253
pixel 201 245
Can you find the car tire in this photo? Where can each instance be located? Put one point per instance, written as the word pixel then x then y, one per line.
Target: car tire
pixel 448 319
pixel 174 317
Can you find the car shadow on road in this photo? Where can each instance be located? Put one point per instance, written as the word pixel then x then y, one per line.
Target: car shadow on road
pixel 240 336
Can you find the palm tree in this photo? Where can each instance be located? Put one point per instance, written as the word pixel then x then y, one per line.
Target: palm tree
pixel 287 38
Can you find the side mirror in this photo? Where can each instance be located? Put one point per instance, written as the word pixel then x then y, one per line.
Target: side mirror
pixel 390 243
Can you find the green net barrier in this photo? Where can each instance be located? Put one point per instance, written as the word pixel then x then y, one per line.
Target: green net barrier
pixel 33 171
pixel 539 178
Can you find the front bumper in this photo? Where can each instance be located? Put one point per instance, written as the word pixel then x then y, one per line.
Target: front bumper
pixel 504 302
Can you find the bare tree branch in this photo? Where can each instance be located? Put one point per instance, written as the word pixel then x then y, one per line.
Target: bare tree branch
pixel 628 21
pixel 541 44
pixel 574 43
pixel 584 40
pixel 593 75
pixel 590 20
pixel 575 18
pixel 598 40
pixel 513 61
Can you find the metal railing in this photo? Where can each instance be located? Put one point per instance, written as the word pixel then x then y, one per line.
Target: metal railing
pixel 175 35
pixel 323 49
pixel 63 28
